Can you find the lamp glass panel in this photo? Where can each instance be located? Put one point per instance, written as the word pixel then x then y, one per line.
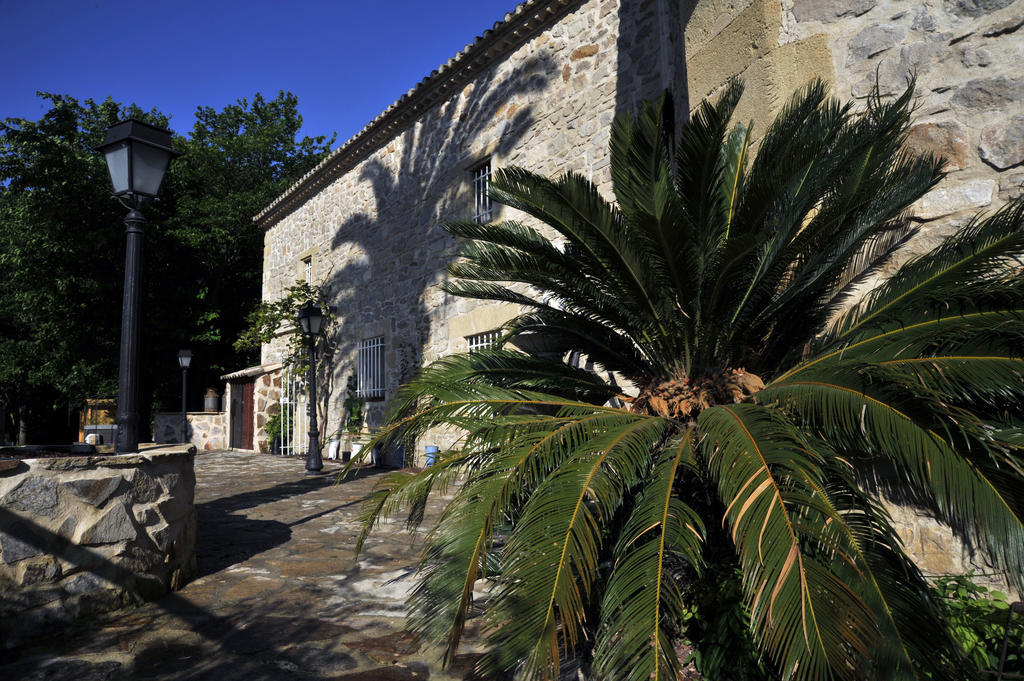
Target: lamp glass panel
pixel 117 165
pixel 149 166
pixel 184 359
pixel 316 321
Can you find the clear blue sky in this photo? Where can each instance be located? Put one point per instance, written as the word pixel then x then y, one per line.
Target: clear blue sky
pixel 347 60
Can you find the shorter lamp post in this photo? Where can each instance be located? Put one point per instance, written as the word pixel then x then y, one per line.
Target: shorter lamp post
pixel 137 156
pixel 311 321
pixel 184 359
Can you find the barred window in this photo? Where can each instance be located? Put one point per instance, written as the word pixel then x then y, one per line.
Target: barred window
pixel 370 367
pixel 482 341
pixel 481 201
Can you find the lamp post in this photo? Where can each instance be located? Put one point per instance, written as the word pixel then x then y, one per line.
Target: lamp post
pixel 311 321
pixel 137 156
pixel 184 359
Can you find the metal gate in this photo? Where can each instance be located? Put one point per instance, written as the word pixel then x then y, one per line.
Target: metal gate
pixel 294 420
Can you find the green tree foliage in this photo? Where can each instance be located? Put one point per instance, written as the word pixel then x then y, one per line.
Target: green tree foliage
pixel 61 276
pixel 63 248
pixel 277 319
pixel 979 617
pixel 235 162
pixel 769 402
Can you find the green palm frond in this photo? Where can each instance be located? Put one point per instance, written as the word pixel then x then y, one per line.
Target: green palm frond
pixel 551 558
pixel 853 419
pixel 977 268
pixel 913 643
pixel 643 603
pixel 805 616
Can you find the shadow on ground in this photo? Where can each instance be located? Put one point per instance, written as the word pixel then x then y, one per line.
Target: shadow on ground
pixel 226 538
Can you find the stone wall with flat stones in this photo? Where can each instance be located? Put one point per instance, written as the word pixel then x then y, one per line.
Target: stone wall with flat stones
pixel 81 535
pixel 207 430
pixel 374 234
pixel 966 55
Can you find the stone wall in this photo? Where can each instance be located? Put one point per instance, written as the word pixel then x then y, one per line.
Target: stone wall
pixel 966 55
pixel 373 231
pixel 207 430
pixel 81 535
pixel 543 96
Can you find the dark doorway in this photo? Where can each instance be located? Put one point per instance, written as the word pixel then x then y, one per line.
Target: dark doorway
pixel 242 414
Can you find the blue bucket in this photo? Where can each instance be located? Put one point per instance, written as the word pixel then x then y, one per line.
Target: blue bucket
pixel 431 454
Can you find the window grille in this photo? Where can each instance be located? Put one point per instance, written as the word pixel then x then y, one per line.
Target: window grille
pixel 482 341
pixel 294 419
pixel 481 200
pixel 308 263
pixel 370 367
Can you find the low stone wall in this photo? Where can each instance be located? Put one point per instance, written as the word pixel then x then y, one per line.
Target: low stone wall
pixel 207 430
pixel 81 535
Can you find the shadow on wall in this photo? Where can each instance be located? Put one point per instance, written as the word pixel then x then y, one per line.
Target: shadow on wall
pixel 390 263
pixel 651 51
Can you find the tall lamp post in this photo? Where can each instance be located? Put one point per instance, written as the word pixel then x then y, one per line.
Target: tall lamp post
pixel 137 156
pixel 184 359
pixel 311 321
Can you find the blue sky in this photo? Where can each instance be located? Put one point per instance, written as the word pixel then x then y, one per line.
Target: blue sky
pixel 346 60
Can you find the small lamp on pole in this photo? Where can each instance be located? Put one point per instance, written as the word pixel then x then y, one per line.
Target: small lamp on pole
pixel 311 321
pixel 184 360
pixel 137 156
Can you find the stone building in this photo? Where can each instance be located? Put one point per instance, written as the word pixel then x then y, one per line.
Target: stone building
pixel 540 89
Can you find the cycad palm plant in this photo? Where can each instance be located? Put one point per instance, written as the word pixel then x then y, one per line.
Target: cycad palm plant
pixel 764 399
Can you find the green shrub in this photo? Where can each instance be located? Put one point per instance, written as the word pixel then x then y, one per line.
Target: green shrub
pixel 977 617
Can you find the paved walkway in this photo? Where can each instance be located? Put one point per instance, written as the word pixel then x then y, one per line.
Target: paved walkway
pixel 278 594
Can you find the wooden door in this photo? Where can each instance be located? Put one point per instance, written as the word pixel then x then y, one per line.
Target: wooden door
pixel 248 414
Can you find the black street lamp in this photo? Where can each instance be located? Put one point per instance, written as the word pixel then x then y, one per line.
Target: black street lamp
pixel 184 359
pixel 311 321
pixel 137 156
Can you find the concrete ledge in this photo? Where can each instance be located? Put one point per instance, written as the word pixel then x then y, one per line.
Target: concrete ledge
pixel 88 534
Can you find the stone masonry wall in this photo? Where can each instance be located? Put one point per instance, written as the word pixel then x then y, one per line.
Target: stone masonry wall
pixel 81 535
pixel 966 55
pixel 207 430
pixel 374 234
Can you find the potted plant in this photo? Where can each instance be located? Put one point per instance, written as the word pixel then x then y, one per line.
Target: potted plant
pixel 272 428
pixel 352 420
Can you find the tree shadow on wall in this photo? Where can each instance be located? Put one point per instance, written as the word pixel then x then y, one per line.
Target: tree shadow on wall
pixel 391 256
pixel 651 41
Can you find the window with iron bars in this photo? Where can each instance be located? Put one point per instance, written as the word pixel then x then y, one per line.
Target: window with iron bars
pixel 482 341
pixel 370 367
pixel 481 200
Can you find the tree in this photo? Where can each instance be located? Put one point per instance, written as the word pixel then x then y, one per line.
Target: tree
pixel 60 291
pixel 275 318
pixel 771 406
pixel 64 243
pixel 236 161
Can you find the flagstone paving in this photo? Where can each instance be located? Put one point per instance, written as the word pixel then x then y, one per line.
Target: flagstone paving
pixel 278 595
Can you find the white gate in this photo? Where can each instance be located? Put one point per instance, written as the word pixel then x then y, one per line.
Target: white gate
pixel 294 419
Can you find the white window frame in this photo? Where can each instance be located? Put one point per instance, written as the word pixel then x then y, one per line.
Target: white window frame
pixel 370 368
pixel 482 341
pixel 482 210
pixel 308 265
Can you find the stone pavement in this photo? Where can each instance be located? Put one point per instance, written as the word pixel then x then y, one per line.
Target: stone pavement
pixel 278 593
